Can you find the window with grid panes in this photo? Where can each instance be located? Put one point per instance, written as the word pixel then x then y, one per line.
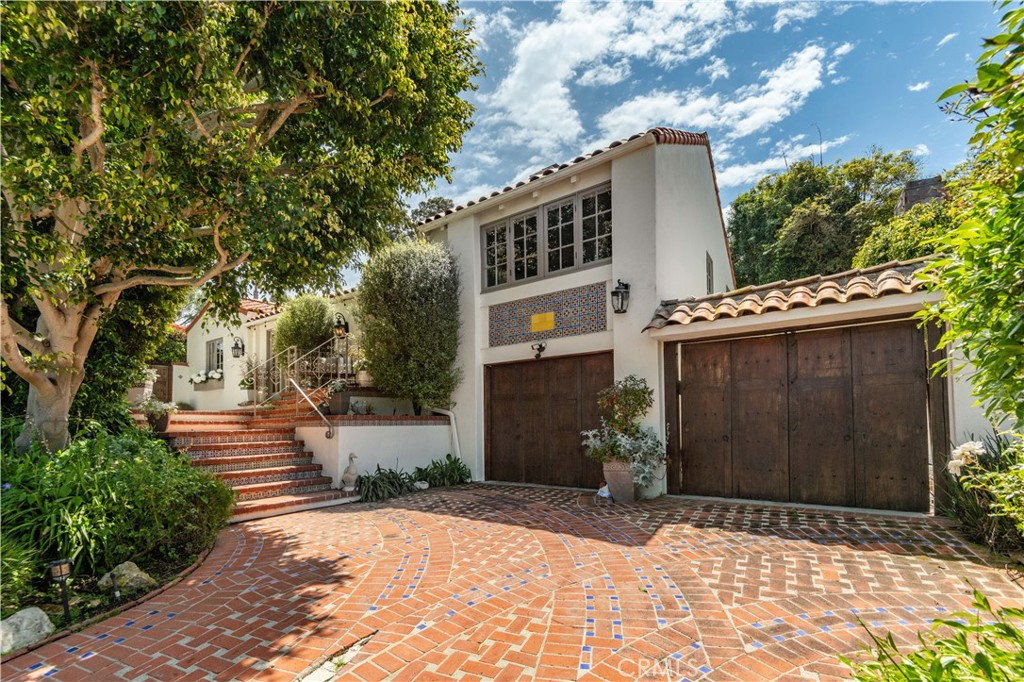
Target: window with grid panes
pixel 558 237
pixel 214 355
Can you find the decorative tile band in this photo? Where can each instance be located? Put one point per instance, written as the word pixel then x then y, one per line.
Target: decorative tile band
pixel 569 312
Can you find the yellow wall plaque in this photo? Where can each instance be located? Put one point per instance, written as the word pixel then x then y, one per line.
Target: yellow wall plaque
pixel 542 322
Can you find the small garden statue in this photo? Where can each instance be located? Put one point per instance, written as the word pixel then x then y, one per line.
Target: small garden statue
pixel 349 476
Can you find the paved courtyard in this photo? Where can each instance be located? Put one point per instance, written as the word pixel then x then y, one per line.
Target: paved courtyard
pixel 503 582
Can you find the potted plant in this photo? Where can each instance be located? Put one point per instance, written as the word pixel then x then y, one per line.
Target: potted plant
pixel 248 381
pixel 144 389
pixel 339 396
pixel 361 367
pixel 631 454
pixel 158 413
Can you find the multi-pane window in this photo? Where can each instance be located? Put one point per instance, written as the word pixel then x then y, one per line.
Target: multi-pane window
pixel 597 225
pixel 496 255
pixel 560 236
pixel 214 355
pixel 524 247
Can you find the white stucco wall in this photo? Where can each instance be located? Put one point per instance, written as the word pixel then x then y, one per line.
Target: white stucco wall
pixel 392 447
pixel 229 395
pixel 967 420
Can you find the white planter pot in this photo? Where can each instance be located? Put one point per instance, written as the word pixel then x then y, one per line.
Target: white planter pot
pixel 620 481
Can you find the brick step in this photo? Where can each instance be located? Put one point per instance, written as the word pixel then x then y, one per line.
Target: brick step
pixel 206 426
pixel 222 463
pixel 179 438
pixel 258 491
pixel 203 451
pixel 277 474
pixel 286 504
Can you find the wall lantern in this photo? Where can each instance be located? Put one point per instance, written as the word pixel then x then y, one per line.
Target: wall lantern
pixel 537 349
pixel 59 572
pixel 620 297
pixel 340 326
pixel 237 348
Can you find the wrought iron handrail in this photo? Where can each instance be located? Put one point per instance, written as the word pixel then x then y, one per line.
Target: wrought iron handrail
pixel 261 376
pixel 320 367
pixel 330 426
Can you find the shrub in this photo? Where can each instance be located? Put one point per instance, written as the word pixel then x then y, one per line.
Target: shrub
pixel 986 645
pixel 906 236
pixel 305 322
pixel 106 499
pixel 383 484
pixel 441 473
pixel 986 492
pixel 409 315
pixel 18 566
pixel 621 437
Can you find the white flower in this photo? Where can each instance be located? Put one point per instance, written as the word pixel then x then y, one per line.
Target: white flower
pixel 953 466
pixel 969 452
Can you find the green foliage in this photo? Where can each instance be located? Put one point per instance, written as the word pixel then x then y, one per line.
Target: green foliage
pixel 621 436
pixel 984 646
pixel 106 499
pixel 157 408
pixel 625 402
pixel 981 279
pixel 172 348
pixel 384 484
pixel 441 473
pixel 409 316
pixel 985 485
pixel 428 208
pixel 231 145
pixel 18 567
pixel 305 323
pixel 813 219
pixel 910 235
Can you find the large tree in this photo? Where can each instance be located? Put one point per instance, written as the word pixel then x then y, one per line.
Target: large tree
pixel 222 144
pixel 812 219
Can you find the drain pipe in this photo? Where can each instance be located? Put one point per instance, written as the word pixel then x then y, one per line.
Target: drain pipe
pixel 453 427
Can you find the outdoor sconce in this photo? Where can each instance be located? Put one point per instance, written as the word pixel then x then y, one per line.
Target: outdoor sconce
pixel 59 572
pixel 237 348
pixel 537 349
pixel 340 326
pixel 620 297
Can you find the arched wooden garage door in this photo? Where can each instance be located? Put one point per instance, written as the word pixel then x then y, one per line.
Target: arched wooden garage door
pixel 836 417
pixel 534 413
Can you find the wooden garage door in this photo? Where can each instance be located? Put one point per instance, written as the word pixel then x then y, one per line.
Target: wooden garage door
pixel 535 411
pixel 836 417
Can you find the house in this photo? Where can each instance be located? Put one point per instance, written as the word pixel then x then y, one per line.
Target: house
pixel 815 391
pixel 920 192
pixel 540 261
pixel 210 343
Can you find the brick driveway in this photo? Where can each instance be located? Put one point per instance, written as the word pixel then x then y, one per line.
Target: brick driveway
pixel 520 583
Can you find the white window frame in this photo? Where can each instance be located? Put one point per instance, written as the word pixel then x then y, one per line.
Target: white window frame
pixel 540 213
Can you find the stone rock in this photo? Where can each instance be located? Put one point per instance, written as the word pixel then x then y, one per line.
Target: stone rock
pixel 130 578
pixel 23 628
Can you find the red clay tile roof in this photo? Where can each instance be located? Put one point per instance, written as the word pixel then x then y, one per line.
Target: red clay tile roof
pixel 880 280
pixel 252 306
pixel 661 136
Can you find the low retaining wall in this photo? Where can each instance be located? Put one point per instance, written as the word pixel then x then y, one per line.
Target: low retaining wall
pixel 393 442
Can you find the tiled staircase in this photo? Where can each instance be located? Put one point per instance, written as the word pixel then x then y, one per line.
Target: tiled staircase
pixel 259 457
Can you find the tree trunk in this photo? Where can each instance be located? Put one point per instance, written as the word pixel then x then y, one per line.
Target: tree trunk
pixel 46 420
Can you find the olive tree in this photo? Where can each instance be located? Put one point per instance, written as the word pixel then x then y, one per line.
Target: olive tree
pixel 305 323
pixel 409 321
pixel 184 144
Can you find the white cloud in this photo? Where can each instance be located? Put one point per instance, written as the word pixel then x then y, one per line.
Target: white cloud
pixel 839 81
pixel 716 68
pixel 784 154
pixel 918 87
pixel 532 105
pixel 945 39
pixel 751 109
pixel 490 25
pixel 793 12
pixel 843 50
pixel 606 74
pixel 922 150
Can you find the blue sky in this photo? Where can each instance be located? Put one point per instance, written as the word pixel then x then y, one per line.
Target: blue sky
pixel 564 78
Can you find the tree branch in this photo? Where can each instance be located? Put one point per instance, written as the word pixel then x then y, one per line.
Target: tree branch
pixel 11 353
pixel 170 269
pixel 199 124
pixel 24 337
pixel 282 117
pixel 93 130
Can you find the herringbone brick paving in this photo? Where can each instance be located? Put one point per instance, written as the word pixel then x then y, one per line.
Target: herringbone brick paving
pixel 504 582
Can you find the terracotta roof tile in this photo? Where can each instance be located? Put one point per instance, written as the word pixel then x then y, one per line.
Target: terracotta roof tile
pixel 660 135
pixel 250 306
pixel 809 292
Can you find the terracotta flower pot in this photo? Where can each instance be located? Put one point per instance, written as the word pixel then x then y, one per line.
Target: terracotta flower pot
pixel 620 481
pixel 159 424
